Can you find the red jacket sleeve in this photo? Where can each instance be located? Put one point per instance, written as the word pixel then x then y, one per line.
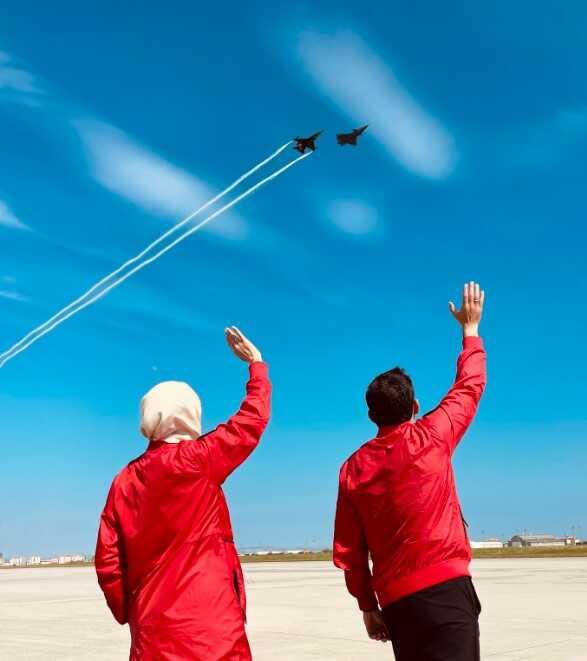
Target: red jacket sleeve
pixel 454 414
pixel 109 561
pixel 231 443
pixel 352 554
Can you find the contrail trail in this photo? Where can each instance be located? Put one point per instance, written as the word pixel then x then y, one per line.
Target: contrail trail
pixel 140 255
pixel 10 354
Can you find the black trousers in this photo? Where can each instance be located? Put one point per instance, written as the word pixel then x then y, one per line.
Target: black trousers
pixel 440 623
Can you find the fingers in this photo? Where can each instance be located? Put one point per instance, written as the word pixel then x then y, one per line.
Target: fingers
pixel 376 628
pixel 471 294
pixel 452 308
pixel 231 338
pixel 230 333
pixel 234 336
pixel 379 635
pixel 238 337
pixel 241 345
pixel 239 334
pixel 234 340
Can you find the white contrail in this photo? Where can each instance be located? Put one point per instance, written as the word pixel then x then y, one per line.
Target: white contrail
pixel 140 255
pixel 9 355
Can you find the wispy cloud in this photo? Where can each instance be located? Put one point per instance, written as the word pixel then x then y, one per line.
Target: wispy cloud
pixel 537 144
pixel 132 171
pixel 16 79
pixel 354 217
pixel 9 219
pixel 366 90
pixel 9 291
pixel 13 296
pixel 118 162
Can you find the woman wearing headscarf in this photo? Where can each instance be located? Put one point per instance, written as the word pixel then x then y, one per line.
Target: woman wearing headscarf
pixel 165 555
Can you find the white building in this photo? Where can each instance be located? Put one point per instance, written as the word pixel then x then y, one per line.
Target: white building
pixel 63 559
pixel 540 540
pixel 17 562
pixel 34 560
pixel 487 544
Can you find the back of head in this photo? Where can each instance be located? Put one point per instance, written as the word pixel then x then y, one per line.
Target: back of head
pixel 171 411
pixel 390 398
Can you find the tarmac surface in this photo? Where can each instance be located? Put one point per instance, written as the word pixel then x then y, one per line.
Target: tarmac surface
pixel 533 609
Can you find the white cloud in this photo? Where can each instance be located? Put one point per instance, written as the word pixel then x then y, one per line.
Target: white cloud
pixel 130 170
pixel 366 90
pixel 353 216
pixel 13 296
pixel 14 78
pixel 538 144
pixel 8 219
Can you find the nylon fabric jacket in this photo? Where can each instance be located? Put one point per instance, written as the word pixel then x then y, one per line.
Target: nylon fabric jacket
pixel 398 503
pixel 165 555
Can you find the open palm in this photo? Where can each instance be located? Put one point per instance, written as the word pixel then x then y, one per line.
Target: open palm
pixel 471 310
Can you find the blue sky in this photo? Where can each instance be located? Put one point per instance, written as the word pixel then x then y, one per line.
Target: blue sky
pixel 116 122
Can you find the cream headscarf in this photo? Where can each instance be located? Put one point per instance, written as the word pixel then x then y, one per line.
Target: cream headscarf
pixel 171 411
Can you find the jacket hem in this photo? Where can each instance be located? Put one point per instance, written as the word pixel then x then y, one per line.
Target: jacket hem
pixel 394 590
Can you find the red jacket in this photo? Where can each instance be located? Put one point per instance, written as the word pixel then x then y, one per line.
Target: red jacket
pixel 397 499
pixel 165 556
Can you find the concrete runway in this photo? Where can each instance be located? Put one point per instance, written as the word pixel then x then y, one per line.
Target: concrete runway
pixel 533 609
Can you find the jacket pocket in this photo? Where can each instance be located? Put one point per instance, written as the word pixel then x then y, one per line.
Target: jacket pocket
pixel 239 592
pixel 236 574
pixel 465 524
pixel 476 598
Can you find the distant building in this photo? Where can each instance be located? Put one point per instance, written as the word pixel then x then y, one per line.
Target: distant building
pixel 34 560
pixel 487 544
pixel 63 559
pixel 17 562
pixel 518 541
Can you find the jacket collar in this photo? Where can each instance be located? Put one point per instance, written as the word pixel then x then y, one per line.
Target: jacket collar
pixel 157 443
pixel 153 445
pixel 388 430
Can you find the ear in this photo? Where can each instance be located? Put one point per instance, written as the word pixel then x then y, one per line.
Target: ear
pixel 416 408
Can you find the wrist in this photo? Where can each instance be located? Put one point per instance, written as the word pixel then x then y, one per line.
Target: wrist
pixel 471 330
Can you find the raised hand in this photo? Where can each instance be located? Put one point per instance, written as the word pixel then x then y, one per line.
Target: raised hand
pixel 375 625
pixel 471 310
pixel 242 347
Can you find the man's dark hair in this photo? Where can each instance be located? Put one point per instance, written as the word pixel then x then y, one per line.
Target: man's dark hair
pixel 390 398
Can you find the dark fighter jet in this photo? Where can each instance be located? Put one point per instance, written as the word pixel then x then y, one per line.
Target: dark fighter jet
pixel 350 138
pixel 306 143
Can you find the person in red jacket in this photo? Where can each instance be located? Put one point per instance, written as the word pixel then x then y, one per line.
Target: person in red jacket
pixel 165 555
pixel 398 505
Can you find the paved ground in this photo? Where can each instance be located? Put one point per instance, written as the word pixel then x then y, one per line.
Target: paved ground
pixel 534 609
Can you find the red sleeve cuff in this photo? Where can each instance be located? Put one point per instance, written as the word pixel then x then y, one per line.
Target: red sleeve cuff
pixel 259 369
pixel 472 342
pixel 368 603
